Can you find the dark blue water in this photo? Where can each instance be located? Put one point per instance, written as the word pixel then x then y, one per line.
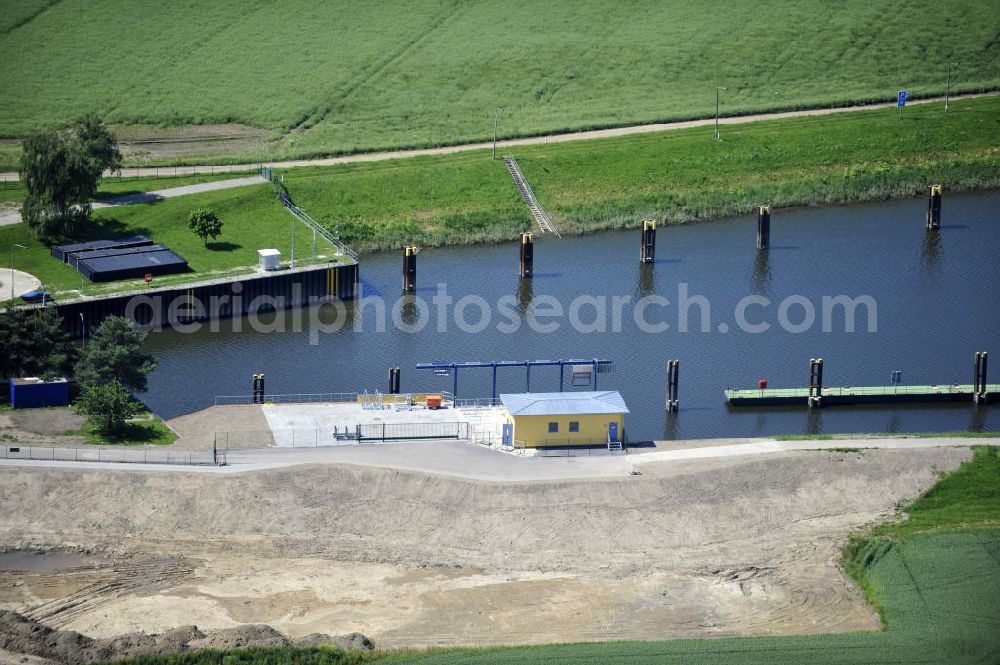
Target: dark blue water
pixel 937 298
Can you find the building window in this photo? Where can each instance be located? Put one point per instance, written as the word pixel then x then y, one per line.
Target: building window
pixel 554 428
pixel 574 426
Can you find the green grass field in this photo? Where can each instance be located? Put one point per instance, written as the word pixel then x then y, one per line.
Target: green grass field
pixel 340 77
pixel 934 577
pixel 673 176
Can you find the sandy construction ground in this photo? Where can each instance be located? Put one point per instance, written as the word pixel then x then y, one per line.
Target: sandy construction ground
pixel 704 547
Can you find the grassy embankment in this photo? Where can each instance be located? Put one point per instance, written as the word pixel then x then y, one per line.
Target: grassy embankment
pixel 934 577
pixel 326 78
pixel 253 219
pixel 674 176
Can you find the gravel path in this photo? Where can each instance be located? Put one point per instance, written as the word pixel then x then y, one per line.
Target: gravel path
pixel 459 459
pixel 156 195
pixel 531 140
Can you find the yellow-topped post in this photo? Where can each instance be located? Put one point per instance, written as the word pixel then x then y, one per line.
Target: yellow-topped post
pixel 763 227
pixel 409 268
pixel 647 248
pixel 527 254
pixel 934 207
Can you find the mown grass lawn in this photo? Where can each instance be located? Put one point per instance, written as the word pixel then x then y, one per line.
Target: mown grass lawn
pixel 673 176
pixel 252 219
pixel 143 430
pixel 339 77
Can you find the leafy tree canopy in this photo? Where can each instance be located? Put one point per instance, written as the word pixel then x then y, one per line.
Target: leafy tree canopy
pixel 60 171
pixel 108 406
pixel 205 224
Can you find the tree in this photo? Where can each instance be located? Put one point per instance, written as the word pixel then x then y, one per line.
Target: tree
pixel 34 343
pixel 114 353
pixel 205 224
pixel 107 406
pixel 60 171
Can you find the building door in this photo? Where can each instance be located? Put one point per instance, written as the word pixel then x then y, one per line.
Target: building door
pixel 508 434
pixel 613 431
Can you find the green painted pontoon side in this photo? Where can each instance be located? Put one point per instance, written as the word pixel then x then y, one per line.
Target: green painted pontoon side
pixel 860 395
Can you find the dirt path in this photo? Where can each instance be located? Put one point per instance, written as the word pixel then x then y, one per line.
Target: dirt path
pixel 700 547
pixel 156 195
pixel 531 140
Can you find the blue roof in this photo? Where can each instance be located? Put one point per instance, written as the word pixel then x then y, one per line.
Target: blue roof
pixel 558 404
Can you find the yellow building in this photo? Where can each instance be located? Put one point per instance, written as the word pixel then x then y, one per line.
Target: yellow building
pixel 534 420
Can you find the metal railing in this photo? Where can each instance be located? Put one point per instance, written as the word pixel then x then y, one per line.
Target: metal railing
pixel 832 391
pixel 339 435
pixel 538 211
pixel 322 232
pixel 385 400
pixel 144 172
pixel 412 431
pixel 105 455
pixel 578 452
pixel 302 216
pixel 481 401
pixel 291 398
pixel 567 441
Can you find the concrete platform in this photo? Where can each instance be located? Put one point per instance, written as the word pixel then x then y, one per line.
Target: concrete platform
pixel 305 425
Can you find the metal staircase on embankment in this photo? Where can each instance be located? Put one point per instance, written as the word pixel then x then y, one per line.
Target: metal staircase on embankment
pixel 537 211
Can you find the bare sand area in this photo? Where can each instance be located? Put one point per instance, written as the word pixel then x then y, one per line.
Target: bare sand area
pixel 695 548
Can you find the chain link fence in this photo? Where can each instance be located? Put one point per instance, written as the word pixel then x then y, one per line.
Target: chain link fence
pixel 11 179
pixel 314 437
pixel 595 451
pixel 117 455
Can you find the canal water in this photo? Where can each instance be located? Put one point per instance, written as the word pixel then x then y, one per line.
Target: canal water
pixel 925 303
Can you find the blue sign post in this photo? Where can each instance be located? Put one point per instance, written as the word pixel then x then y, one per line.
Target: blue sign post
pixel 901 102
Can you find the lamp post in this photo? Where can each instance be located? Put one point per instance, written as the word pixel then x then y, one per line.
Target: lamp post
pixel 947 93
pixel 496 125
pixel 12 248
pixel 83 327
pixel 717 91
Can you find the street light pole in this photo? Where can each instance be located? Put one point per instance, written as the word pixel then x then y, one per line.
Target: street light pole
pixel 717 91
pixel 83 326
pixel 496 124
pixel 947 93
pixel 12 248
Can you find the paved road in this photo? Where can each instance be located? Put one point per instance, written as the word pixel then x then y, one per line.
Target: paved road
pixel 531 140
pixel 469 461
pixel 23 282
pixel 156 195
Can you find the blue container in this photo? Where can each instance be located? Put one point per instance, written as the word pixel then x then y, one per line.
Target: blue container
pixel 33 393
